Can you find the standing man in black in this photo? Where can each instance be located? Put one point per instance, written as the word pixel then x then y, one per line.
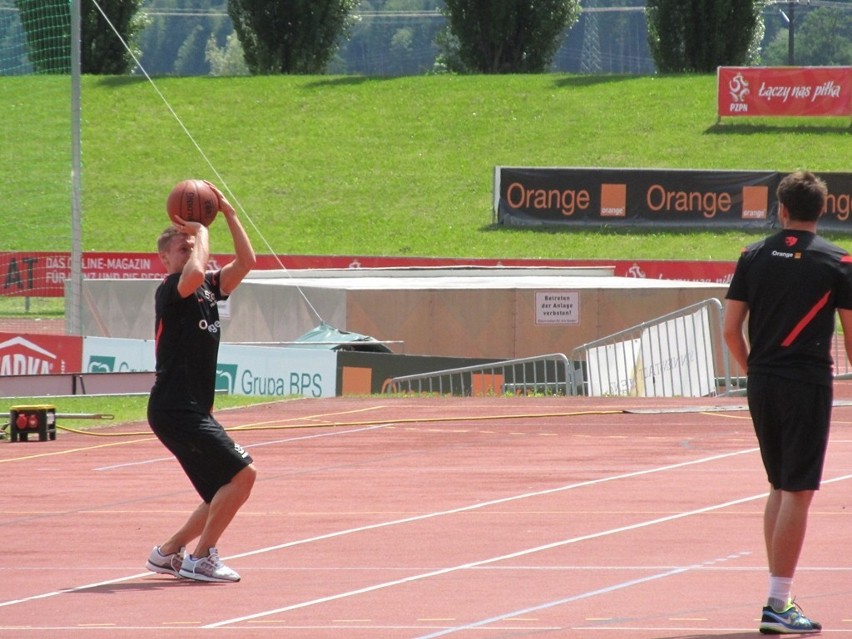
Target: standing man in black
pixel 179 408
pixel 789 286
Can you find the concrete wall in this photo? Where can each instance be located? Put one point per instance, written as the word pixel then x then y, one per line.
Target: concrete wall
pixel 488 313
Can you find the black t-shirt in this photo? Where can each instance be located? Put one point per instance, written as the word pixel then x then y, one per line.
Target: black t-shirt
pixel 793 282
pixel 187 333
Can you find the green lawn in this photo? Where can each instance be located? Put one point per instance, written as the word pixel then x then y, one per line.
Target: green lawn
pixel 76 411
pixel 372 166
pixel 369 166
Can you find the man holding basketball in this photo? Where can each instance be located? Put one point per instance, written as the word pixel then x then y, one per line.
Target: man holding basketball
pixel 181 400
pixel 789 285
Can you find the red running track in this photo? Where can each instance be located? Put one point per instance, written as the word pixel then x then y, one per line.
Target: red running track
pixel 379 518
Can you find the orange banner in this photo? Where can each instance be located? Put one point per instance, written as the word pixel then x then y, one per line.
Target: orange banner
pixel 784 91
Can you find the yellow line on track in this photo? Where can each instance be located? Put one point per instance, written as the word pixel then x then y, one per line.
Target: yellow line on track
pixel 73 450
pixel 286 423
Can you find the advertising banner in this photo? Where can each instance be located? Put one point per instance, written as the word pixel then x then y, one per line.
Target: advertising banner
pixel 674 199
pixel 242 370
pixel 42 274
pixel 39 354
pixel 838 206
pixel 114 355
pixel 630 197
pixel 784 91
pixel 276 372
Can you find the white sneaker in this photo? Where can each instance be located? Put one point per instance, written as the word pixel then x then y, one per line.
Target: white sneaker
pixel 209 568
pixel 165 564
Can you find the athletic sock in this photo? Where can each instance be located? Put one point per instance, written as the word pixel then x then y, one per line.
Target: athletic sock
pixel 779 592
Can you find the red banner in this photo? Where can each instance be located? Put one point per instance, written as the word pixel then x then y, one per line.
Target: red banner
pixel 787 91
pixel 43 274
pixel 40 354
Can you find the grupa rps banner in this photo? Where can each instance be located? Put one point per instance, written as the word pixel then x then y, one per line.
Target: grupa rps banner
pixel 784 91
pixel 265 371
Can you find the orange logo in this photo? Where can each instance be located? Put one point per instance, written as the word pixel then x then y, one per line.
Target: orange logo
pixel 613 200
pixel 755 202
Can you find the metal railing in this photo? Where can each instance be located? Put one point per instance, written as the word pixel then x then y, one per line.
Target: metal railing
pixel 842 365
pixel 541 375
pixel 680 354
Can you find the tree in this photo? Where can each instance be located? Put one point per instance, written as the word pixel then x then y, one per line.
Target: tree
pixel 47 26
pixel 290 36
pixel 700 35
pixel 49 35
pixel 176 39
pixel 102 52
pixel 824 38
pixel 505 36
pixel 392 38
pixel 227 60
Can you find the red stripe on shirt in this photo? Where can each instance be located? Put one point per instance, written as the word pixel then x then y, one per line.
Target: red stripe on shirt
pixel 806 320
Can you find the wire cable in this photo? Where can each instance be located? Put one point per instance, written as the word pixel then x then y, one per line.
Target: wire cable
pixel 370 422
pixel 197 146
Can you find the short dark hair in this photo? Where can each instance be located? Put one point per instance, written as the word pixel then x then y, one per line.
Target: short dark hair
pixel 803 194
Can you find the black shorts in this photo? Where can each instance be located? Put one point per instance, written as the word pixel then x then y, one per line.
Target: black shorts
pixel 791 420
pixel 207 454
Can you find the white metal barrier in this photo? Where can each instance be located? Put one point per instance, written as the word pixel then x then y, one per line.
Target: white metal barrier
pixel 680 354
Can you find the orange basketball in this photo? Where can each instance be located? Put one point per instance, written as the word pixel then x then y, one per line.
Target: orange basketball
pixel 194 201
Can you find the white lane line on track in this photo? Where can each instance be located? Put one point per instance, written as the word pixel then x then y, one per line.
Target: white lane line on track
pixel 406 520
pixel 579 596
pixel 497 502
pixel 530 551
pixel 490 560
pixel 258 445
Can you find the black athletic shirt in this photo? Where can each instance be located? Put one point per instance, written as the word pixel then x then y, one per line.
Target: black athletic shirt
pixel 187 335
pixel 793 282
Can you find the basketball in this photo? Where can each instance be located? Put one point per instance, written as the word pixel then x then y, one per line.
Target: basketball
pixel 194 201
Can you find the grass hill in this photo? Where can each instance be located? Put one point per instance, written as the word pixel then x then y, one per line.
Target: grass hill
pixel 372 166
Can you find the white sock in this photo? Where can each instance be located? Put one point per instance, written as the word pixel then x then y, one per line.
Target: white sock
pixel 779 591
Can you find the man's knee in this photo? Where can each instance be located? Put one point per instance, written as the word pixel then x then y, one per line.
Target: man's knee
pixel 245 478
